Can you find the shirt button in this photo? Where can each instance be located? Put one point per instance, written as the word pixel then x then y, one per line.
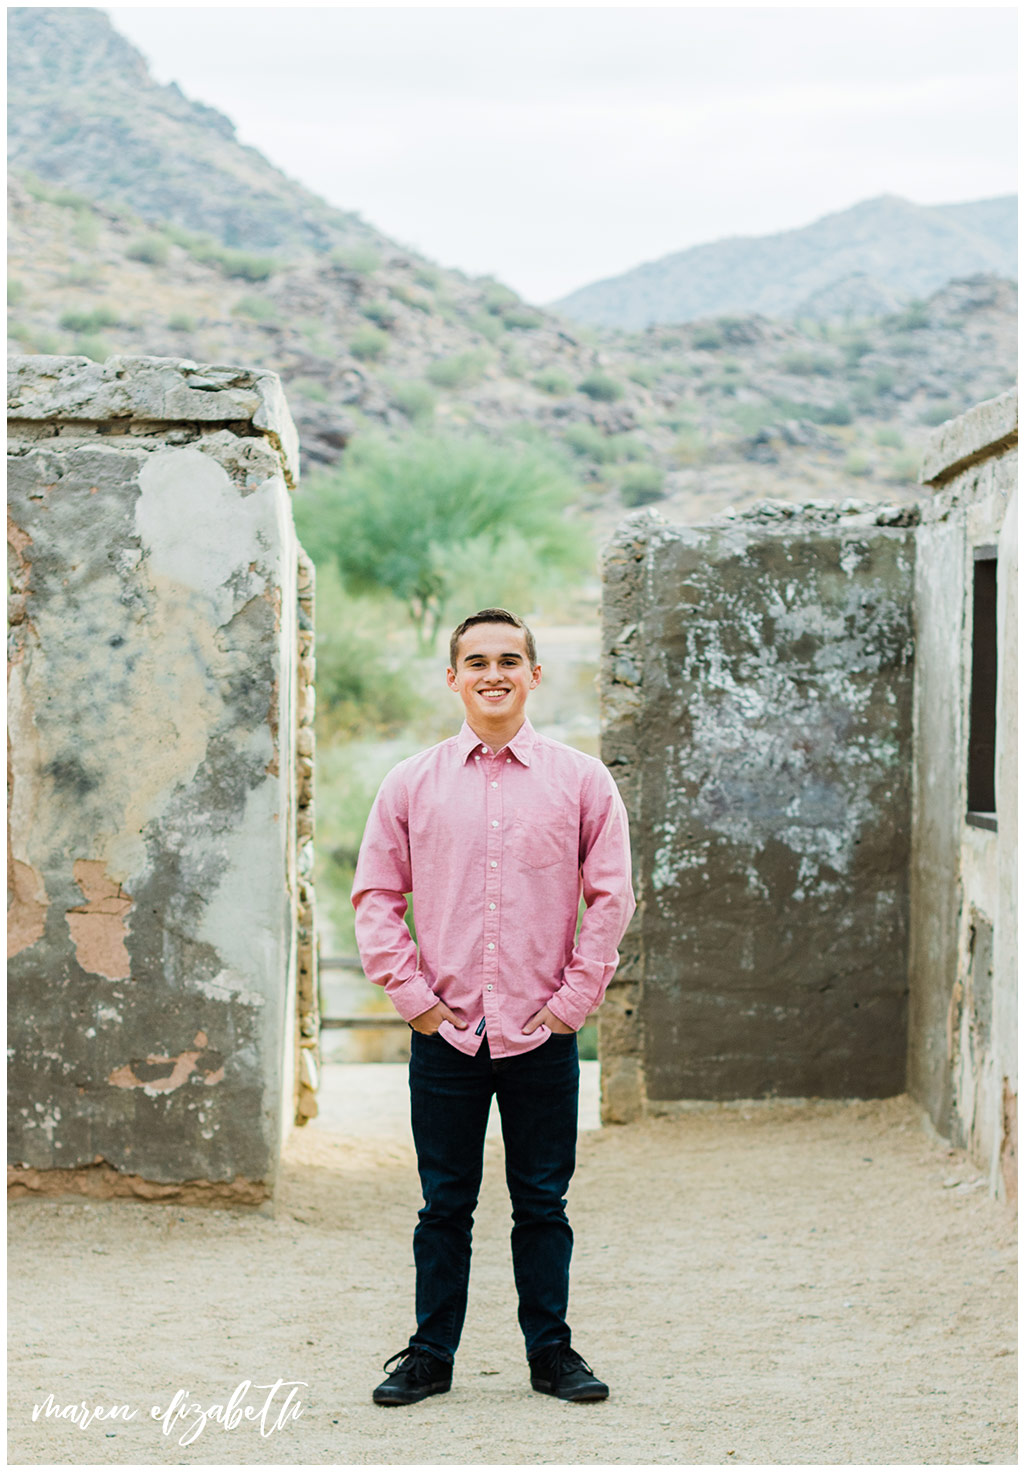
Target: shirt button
pixel 490 988
pixel 492 906
pixel 477 757
pixel 508 761
pixel 487 751
pixel 490 945
pixel 494 784
pixel 494 863
pixel 494 822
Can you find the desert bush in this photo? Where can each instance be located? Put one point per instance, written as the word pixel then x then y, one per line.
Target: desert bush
pixel 937 414
pixel 522 317
pixel 256 308
pixel 460 370
pixel 487 326
pixel 415 399
pixel 601 388
pixel 805 364
pixel 857 463
pixel 309 388
pixel 428 276
pixel 837 413
pixel 888 437
pixel 368 345
pixel 690 447
pixel 553 381
pixel 360 258
pixel 498 298
pixel 408 518
pixel 706 338
pixel 152 250
pixel 181 322
pixel 641 485
pixel 380 313
pixel 645 374
pixel 89 320
pixel 93 346
pixel 589 443
pixel 15 291
pixel 906 468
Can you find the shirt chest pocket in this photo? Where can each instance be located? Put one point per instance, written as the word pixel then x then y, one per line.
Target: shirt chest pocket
pixel 541 837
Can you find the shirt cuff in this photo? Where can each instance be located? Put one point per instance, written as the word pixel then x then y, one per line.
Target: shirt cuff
pixel 581 993
pixel 412 998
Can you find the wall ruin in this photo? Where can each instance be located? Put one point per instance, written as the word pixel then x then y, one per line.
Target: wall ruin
pixel 757 684
pixel 160 781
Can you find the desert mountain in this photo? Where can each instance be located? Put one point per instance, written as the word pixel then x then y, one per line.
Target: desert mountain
pixel 863 261
pixel 139 224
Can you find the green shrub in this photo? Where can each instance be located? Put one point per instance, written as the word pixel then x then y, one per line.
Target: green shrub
pixel 806 364
pixel 590 443
pixel 883 381
pixel 645 374
pixel 906 468
pixel 369 344
pixel 19 331
pixel 601 388
pixel 428 276
pixel 937 414
pixel 89 321
pixel 358 257
pixel 690 447
pixel 87 229
pixel 382 313
pixel 857 463
pixel 553 381
pixel 890 438
pixel 46 342
pixel 84 273
pixel 522 317
pixel 498 298
pixel 515 363
pixel 256 308
pixel 315 336
pixel 460 370
pixel 642 484
pixel 242 266
pixel 410 298
pixel 309 388
pixel 855 349
pixel 914 317
pixel 706 338
pixel 837 413
pixel 181 322
pixel 152 250
pixel 91 346
pixel 487 326
pixel 414 398
pixel 15 291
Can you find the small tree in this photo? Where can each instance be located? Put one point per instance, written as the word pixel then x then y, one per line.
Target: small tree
pixel 400 517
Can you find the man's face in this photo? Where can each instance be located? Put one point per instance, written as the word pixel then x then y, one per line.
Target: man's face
pixel 492 674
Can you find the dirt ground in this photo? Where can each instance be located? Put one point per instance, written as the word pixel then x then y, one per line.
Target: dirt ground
pixel 814 1283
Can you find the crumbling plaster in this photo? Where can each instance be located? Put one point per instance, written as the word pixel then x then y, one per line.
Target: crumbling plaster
pixel 153 691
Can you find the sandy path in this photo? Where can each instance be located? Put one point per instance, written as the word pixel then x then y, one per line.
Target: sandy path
pixel 777 1284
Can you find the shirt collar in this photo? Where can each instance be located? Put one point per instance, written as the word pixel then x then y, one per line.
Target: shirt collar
pixel 521 745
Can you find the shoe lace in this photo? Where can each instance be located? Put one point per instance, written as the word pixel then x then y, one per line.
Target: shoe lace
pixel 415 1360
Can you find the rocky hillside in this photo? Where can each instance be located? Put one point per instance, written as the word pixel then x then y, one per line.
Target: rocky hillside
pixel 864 261
pixel 368 337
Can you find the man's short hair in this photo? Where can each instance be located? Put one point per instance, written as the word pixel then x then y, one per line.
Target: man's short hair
pixel 492 616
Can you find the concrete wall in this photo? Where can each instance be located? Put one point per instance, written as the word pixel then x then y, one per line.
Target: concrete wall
pixel 963 961
pixel 757 693
pixel 159 871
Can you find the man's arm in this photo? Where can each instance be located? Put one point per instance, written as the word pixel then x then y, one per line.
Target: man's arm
pixel 383 878
pixel 606 869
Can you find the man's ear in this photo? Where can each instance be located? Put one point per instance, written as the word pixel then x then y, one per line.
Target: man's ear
pixel 450 677
pixel 535 677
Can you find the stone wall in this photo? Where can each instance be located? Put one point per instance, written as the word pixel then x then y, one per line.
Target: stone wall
pixel 160 774
pixel 757 693
pixel 963 959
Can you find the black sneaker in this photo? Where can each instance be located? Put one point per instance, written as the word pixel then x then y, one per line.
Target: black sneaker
pixel 561 1371
pixel 418 1374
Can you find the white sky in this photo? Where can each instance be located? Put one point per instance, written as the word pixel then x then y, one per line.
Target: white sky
pixel 554 146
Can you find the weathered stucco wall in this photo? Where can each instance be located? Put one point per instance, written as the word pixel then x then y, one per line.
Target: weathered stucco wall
pixel 757 689
pixel 962 1062
pixel 157 676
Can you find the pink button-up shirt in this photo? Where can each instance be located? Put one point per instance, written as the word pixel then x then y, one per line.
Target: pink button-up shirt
pixel 496 849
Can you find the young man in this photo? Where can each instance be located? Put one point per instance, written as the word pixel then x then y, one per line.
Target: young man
pixel 496 832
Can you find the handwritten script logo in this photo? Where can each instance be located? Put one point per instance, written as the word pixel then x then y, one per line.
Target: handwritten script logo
pixel 187 1416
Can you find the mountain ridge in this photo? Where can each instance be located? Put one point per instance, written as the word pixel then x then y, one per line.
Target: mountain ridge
pixel 905 250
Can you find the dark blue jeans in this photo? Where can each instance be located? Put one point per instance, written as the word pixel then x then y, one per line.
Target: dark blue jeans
pixel 538 1095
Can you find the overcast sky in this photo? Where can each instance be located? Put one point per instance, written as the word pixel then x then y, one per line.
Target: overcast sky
pixel 552 147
